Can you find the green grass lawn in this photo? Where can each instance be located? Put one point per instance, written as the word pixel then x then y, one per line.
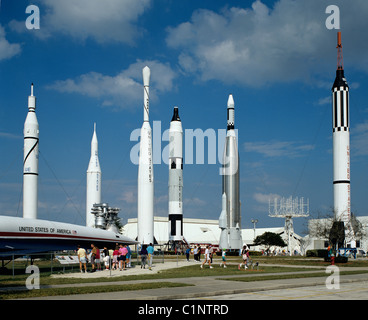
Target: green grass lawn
pixel 192 270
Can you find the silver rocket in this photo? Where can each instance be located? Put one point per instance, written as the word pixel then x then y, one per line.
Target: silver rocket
pixel 145 172
pixel 93 193
pixel 175 178
pixel 230 217
pixel 30 160
pixel 341 142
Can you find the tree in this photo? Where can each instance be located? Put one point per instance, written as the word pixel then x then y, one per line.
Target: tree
pixel 269 239
pixel 336 231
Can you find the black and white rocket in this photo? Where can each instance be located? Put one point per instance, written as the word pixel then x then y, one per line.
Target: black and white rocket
pixel 145 224
pixel 341 141
pixel 230 217
pixel 175 178
pixel 30 160
pixel 93 192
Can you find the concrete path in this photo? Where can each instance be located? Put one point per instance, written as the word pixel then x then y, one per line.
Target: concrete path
pixel 207 287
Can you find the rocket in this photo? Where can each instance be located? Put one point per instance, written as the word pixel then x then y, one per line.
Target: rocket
pixel 175 178
pixel 93 193
pixel 230 218
pixel 341 141
pixel 145 171
pixel 30 160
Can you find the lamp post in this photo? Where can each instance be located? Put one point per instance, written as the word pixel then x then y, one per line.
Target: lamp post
pixel 254 221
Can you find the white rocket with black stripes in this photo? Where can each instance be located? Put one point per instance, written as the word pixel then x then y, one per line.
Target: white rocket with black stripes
pixel 30 160
pixel 341 142
pixel 175 178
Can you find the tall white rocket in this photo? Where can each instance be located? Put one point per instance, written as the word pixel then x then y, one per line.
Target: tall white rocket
pixel 341 142
pixel 175 178
pixel 230 218
pixel 30 160
pixel 93 193
pixel 145 171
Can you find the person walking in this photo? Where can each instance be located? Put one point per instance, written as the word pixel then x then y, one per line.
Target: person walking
pixel 199 253
pixel 245 255
pixel 187 253
pixel 223 262
pixel 210 251
pixel 195 254
pixel 128 257
pixel 93 257
pixel 98 259
pixel 106 258
pixel 143 254
pixel 115 255
pixel 207 258
pixel 122 252
pixel 82 257
pixel 150 251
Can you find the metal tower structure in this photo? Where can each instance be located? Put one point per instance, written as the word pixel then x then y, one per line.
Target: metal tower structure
pixel 288 208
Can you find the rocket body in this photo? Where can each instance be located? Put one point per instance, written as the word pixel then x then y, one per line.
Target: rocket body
pixel 230 237
pixel 30 161
pixel 93 181
pixel 145 172
pixel 341 147
pixel 176 178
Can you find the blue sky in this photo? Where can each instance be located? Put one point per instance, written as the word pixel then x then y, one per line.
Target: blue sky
pixel 277 58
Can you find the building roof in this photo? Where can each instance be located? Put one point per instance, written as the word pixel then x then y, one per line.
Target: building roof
pixel 194 230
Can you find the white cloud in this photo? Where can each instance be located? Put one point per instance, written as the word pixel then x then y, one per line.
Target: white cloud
pixel 263 45
pixel 278 148
pixel 7 135
pixel 122 89
pixel 359 139
pixel 265 198
pixel 194 202
pixel 325 101
pixel 7 50
pixel 104 21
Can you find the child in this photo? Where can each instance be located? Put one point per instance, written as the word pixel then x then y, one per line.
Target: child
pixel 223 258
pixel 245 255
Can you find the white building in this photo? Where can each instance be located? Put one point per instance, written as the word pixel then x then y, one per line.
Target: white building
pixel 317 242
pixel 202 231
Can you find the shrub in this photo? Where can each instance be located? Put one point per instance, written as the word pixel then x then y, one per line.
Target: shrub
pixel 319 253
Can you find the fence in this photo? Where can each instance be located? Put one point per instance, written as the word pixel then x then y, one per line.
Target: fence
pixel 57 262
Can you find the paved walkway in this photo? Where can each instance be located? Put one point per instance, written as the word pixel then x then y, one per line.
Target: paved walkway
pixel 205 287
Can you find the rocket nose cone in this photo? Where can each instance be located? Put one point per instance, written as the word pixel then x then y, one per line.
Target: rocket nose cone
pixel 146 75
pixel 176 114
pixel 230 101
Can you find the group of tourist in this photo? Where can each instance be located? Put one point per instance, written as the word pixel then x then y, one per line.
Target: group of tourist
pixel 208 256
pixel 118 258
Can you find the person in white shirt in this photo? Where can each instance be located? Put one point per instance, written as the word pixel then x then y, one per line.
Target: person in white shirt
pixel 207 258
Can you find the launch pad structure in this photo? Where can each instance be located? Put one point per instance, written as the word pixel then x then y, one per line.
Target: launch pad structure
pixel 288 208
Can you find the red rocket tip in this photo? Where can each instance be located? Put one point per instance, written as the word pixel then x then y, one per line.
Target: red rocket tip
pixel 339 44
pixel 340 62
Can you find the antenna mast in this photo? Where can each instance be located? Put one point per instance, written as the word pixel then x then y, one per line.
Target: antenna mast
pixel 288 209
